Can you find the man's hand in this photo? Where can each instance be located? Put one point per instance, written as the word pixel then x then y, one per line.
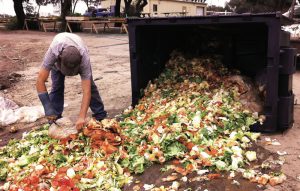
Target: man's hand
pixel 51 119
pixel 80 123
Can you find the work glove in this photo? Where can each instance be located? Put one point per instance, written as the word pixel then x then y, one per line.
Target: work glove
pixel 48 108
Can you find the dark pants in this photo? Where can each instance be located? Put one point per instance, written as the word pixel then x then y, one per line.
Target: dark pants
pixel 57 96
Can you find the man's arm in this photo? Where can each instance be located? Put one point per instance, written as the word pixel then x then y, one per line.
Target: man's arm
pixel 43 94
pixel 41 80
pixel 86 88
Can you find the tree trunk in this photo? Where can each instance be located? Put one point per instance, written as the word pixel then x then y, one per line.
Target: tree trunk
pixel 66 8
pixel 87 3
pixel 18 6
pixel 38 12
pixel 118 8
pixel 127 6
pixel 140 6
pixel 74 5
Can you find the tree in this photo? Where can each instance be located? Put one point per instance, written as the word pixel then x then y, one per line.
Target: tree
pixel 66 8
pixel 74 3
pixel 129 10
pixel 29 9
pixel 256 6
pixel 19 10
pixel 127 7
pixel 139 6
pixel 117 8
pixel 46 2
pixel 91 2
pixel 215 8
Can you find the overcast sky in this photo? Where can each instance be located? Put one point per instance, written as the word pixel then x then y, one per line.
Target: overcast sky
pixel 6 7
pixel 217 2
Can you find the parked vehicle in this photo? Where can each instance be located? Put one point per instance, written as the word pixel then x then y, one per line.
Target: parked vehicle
pixel 98 12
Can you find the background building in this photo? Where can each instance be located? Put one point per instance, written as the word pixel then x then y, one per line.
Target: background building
pixel 167 7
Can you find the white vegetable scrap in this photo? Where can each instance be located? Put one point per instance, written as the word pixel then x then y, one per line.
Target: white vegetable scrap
pixel 148 186
pixel 270 141
pixel 184 179
pixel 175 185
pixel 201 172
pixel 231 175
pixel 251 155
pixel 249 174
pixel 235 182
pixel 275 143
pixel 71 173
pixel 282 153
pixel 136 188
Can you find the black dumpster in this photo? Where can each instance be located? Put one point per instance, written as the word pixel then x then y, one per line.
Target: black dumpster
pixel 251 43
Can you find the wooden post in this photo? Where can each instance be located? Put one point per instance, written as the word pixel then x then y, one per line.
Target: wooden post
pixel 68 27
pixel 25 24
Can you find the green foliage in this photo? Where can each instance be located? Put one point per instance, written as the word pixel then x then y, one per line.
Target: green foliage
pixel 75 14
pixel 3 170
pixel 173 149
pixel 59 159
pixel 215 8
pixel 46 2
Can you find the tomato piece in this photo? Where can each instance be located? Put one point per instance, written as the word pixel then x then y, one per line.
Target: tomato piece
pixel 64 188
pixel 189 167
pixel 103 168
pixel 66 182
pixel 63 182
pixel 27 188
pixel 176 162
pixel 213 176
pixel 54 183
pixel 34 180
pixel 189 145
pixel 89 175
pixel 66 152
pixel 26 180
pixel 14 189
pixel 63 169
pixel 73 136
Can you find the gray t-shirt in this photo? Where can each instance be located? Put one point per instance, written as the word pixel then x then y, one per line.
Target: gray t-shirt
pixel 62 41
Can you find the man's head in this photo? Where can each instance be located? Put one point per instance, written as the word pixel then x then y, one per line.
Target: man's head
pixel 70 60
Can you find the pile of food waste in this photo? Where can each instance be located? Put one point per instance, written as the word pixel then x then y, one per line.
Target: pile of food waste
pixel 191 114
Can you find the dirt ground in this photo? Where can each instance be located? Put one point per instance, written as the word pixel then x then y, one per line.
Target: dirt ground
pixel 21 53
